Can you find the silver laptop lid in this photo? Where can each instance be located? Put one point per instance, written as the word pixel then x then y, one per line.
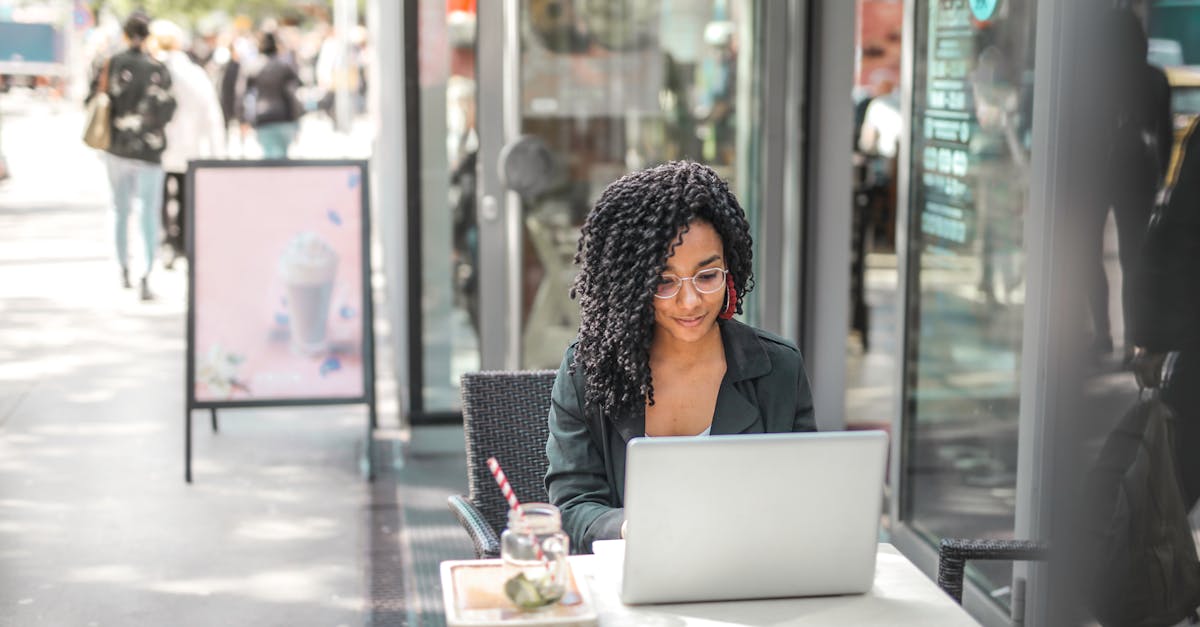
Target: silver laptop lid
pixel 752 516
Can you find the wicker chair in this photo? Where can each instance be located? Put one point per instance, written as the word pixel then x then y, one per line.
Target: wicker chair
pixel 504 416
pixel 954 553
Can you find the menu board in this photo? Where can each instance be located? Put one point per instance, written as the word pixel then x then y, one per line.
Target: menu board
pixel 944 112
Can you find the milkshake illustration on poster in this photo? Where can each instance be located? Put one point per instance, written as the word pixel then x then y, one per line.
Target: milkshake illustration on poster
pixel 278 299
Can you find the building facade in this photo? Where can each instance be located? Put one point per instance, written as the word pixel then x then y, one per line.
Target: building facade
pixel 921 177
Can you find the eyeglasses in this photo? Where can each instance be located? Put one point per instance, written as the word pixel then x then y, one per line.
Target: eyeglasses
pixel 706 281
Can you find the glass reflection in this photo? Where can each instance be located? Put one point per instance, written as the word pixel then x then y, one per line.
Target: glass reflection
pixel 872 346
pixel 1140 261
pixel 449 145
pixel 613 86
pixel 971 136
pixel 1165 305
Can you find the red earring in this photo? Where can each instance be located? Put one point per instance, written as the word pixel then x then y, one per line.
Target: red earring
pixel 730 299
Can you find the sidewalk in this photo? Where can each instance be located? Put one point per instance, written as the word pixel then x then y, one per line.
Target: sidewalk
pixel 97 526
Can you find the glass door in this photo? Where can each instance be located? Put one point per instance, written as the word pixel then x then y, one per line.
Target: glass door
pixel 441 172
pixel 573 94
pixel 972 130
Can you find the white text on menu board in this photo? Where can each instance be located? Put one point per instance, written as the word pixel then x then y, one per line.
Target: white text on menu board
pixel 947 206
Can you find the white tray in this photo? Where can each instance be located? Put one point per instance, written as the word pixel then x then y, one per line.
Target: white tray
pixel 473 594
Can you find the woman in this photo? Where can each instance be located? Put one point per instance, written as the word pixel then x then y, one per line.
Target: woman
pixel 196 131
pixel 142 104
pixel 271 103
pixel 665 262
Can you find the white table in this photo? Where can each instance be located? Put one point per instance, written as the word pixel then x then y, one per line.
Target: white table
pixel 902 596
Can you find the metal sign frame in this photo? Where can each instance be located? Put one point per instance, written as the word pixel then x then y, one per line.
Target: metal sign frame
pixel 367 309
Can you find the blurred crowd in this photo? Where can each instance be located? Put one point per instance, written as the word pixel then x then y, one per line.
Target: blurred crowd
pixel 161 95
pixel 231 53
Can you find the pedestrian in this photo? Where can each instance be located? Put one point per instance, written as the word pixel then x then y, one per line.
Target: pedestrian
pixel 139 88
pixel 3 164
pixel 271 104
pixel 1134 135
pixel 1168 306
pixel 231 90
pixel 195 132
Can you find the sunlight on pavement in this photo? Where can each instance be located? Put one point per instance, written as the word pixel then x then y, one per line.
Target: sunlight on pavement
pixel 94 507
pixel 302 584
pixel 277 530
pixel 116 573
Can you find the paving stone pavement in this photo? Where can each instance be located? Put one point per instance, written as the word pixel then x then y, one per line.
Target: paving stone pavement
pixel 97 526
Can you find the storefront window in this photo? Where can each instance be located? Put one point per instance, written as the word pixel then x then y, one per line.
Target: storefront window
pixel 971 129
pixel 610 87
pixel 448 228
pixel 604 88
pixel 874 276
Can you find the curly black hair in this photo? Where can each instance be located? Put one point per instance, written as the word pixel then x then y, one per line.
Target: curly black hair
pixel 626 240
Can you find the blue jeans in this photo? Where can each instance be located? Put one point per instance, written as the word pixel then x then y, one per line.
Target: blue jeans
pixel 133 179
pixel 276 137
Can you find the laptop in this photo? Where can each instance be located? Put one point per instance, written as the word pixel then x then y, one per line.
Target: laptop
pixel 752 516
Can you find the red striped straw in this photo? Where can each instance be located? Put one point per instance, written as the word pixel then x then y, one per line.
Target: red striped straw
pixel 510 496
pixel 502 481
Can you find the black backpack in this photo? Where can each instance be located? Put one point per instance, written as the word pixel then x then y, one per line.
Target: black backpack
pixel 1144 569
pixel 1166 290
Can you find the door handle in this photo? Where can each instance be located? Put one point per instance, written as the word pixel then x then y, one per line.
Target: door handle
pixel 527 167
pixel 489 209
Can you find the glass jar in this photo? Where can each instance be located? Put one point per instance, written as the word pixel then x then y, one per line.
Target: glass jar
pixel 534 549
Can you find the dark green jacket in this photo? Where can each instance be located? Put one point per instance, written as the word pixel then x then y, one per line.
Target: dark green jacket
pixel 765 390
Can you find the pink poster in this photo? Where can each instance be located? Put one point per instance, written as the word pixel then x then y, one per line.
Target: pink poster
pixel 278 307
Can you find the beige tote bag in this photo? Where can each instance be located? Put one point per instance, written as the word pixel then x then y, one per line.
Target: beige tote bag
pixel 98 133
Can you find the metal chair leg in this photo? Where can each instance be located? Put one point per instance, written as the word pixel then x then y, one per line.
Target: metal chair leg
pixel 187 445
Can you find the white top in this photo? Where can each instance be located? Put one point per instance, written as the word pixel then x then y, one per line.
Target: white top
pixel 197 130
pixel 707 430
